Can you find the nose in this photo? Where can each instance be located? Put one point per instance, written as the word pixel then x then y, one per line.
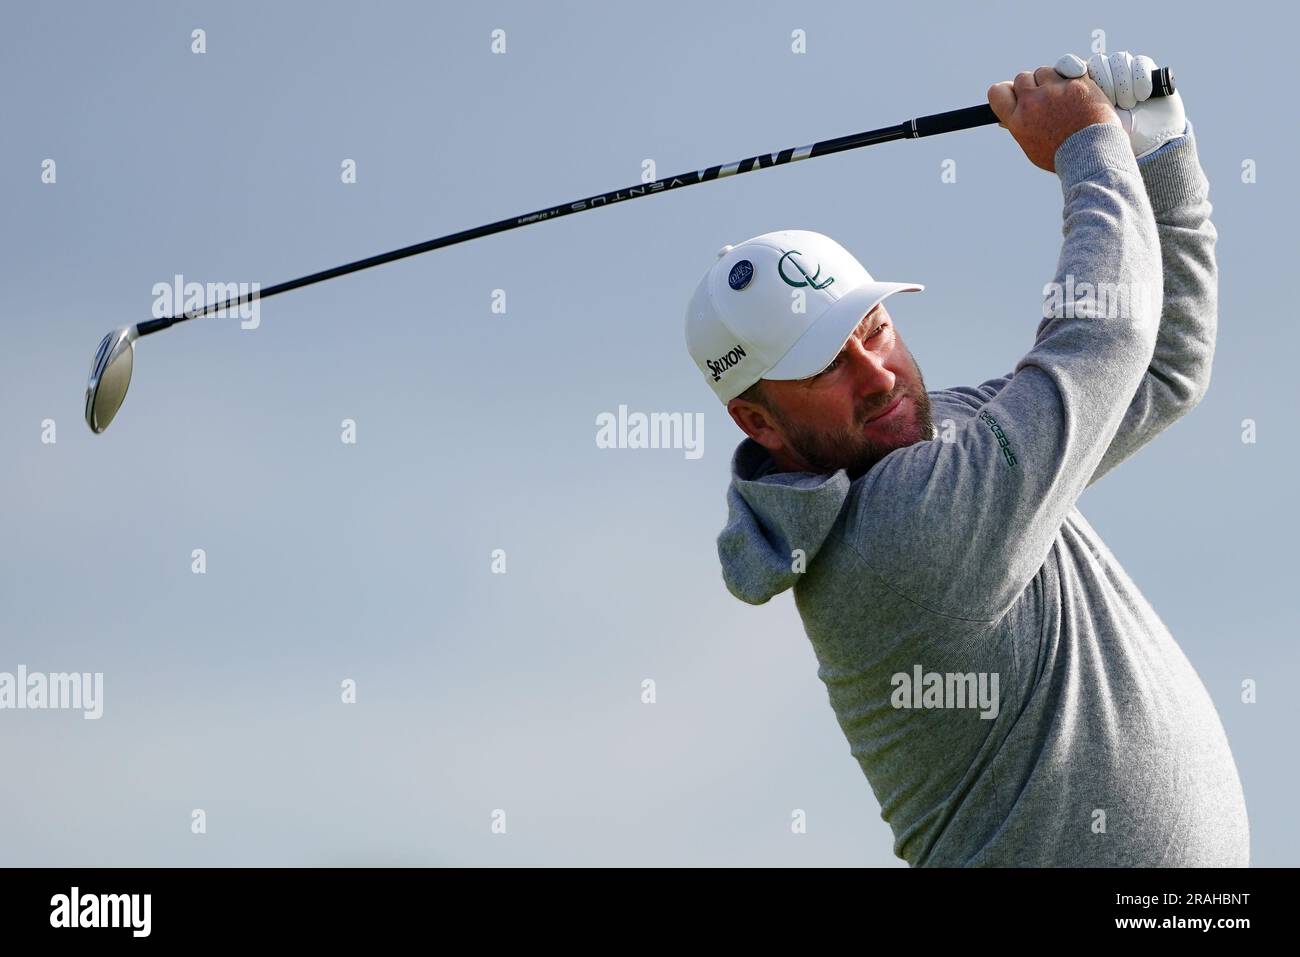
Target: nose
pixel 870 378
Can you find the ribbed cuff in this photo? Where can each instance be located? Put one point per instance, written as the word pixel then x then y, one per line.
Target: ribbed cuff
pixel 1090 150
pixel 1173 174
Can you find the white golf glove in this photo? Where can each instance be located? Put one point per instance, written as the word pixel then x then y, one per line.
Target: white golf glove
pixel 1126 81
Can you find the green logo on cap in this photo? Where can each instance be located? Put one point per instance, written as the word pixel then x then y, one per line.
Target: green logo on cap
pixel 807 279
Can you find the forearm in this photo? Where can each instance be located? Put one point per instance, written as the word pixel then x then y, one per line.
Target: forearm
pixel 963 525
pixel 1179 372
pixel 1179 193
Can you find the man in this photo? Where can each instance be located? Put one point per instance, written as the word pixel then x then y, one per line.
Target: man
pixel 1009 693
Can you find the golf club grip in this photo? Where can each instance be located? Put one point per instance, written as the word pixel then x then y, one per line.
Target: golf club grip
pixel 1162 84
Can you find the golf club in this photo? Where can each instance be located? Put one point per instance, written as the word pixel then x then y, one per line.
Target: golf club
pixel 110 370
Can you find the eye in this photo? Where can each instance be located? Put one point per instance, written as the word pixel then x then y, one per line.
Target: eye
pixel 835 363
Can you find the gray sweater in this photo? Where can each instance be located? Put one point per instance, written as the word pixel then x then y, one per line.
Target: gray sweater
pixel 961 565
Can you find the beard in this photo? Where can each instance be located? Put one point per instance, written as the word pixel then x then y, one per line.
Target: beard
pixel 852 449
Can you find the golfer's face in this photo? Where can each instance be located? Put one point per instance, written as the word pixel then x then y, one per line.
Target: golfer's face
pixel 868 402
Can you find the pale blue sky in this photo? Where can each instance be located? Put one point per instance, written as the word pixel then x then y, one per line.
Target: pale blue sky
pixel 477 430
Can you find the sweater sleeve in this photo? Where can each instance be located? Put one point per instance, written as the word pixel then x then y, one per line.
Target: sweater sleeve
pixel 1179 373
pixel 960 525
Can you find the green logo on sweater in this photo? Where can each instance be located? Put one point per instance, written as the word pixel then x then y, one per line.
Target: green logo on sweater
pixel 1002 439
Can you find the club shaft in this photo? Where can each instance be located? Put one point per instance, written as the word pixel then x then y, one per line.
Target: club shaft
pixel 930 125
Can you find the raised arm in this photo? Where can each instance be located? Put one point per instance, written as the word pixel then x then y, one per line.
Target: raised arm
pixel 1165 145
pixel 1179 373
pixel 962 526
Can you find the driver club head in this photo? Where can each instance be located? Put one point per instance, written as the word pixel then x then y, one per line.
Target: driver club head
pixel 110 375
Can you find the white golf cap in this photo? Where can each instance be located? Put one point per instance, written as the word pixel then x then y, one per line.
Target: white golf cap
pixel 741 323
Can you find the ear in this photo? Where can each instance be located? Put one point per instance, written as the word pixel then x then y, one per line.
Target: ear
pixel 756 422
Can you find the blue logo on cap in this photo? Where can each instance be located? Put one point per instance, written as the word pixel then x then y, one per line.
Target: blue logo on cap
pixel 741 274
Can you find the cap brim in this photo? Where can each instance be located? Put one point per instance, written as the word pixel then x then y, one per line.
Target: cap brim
pixel 821 343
